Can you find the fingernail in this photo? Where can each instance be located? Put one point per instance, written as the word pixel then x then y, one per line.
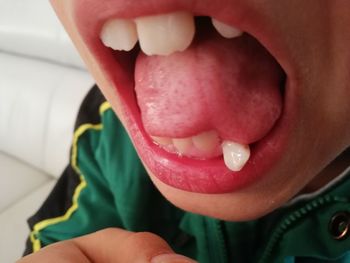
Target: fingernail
pixel 171 258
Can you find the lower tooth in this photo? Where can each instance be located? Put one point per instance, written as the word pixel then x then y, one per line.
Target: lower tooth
pixel 235 155
pixel 182 145
pixel 206 141
pixel 163 141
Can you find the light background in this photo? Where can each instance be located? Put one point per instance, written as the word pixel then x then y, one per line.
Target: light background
pixel 42 83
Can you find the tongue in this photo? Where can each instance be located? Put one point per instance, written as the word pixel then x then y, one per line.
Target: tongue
pixel 231 86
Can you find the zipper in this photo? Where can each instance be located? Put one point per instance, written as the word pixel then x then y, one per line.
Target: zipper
pixel 291 220
pixel 218 244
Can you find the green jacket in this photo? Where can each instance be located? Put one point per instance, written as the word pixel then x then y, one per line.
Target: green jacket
pixel 106 185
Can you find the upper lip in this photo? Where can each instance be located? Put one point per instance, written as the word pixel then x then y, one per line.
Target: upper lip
pixel 90 15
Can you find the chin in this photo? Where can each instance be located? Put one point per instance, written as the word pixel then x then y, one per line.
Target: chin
pixel 250 203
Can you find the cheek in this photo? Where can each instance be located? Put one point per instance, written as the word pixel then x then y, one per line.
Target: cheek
pixel 325 113
pixel 338 111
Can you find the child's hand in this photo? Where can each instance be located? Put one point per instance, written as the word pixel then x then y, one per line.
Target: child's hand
pixel 110 245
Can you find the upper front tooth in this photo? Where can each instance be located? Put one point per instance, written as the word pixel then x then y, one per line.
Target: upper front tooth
pixel 119 34
pixel 235 154
pixel 165 34
pixel 226 30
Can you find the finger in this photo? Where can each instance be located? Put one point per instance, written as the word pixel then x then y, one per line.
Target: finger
pixel 61 252
pixel 120 246
pixel 110 245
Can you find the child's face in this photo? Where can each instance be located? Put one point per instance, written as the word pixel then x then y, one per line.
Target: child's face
pixel 294 121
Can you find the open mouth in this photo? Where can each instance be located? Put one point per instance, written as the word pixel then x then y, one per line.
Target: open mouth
pixel 204 101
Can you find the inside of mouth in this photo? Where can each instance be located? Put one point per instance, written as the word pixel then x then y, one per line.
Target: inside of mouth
pixel 127 60
pixel 179 140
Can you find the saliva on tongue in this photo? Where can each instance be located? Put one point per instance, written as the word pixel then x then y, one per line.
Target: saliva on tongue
pixel 229 86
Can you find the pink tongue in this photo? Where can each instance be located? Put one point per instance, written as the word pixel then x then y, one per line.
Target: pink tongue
pixel 231 86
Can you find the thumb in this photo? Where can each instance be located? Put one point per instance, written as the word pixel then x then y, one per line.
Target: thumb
pixel 109 245
pixel 117 245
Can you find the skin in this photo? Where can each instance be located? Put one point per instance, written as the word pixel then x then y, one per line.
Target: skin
pixel 317 39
